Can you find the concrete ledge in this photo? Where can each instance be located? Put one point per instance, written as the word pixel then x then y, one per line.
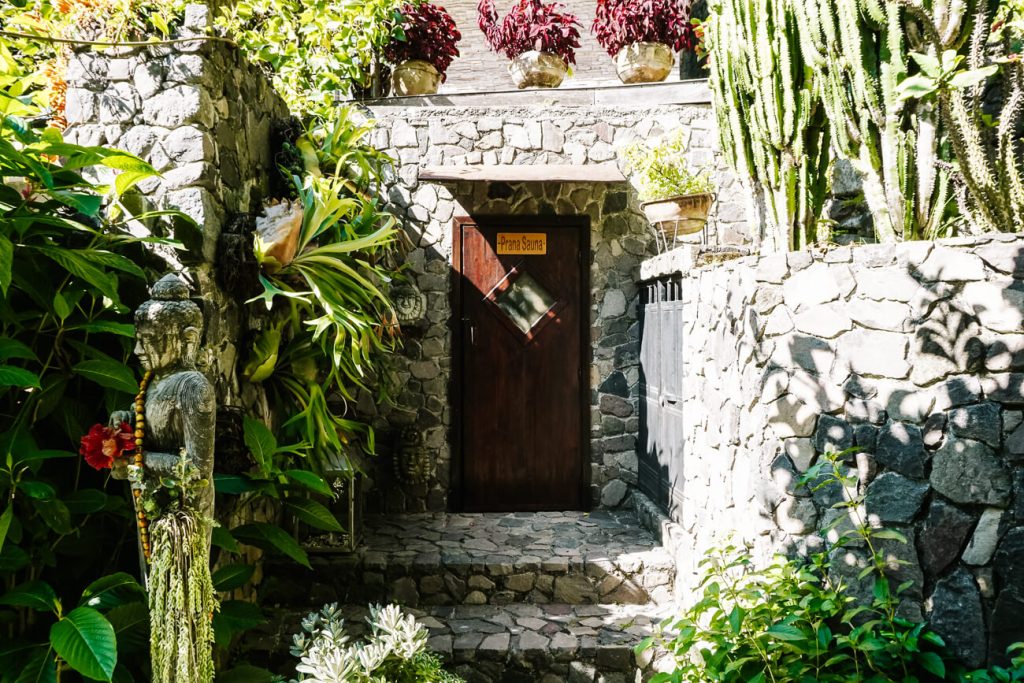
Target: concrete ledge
pixel 644 95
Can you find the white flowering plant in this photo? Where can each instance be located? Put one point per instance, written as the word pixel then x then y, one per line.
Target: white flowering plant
pixel 394 651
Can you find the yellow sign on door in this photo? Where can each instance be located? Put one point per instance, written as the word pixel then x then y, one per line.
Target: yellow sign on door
pixel 523 243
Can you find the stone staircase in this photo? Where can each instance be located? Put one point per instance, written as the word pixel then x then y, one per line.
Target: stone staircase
pixel 544 596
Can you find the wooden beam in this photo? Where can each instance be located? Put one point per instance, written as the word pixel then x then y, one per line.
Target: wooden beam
pixel 525 173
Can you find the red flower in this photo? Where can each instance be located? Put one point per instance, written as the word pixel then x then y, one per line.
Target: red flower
pixel 102 445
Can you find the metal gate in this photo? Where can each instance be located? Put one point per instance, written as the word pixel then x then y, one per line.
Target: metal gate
pixel 660 443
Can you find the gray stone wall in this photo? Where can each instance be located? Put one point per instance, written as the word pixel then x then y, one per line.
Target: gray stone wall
pixel 202 117
pixel 620 239
pixel 914 353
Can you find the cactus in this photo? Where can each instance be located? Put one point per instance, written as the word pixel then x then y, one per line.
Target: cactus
pixel 770 119
pixel 858 49
pixel 989 176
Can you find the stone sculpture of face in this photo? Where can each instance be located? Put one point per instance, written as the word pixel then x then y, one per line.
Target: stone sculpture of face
pixel 168 328
pixel 159 350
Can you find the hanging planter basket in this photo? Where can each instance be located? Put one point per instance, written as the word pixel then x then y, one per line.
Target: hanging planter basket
pixel 414 77
pixel 534 69
pixel 676 217
pixel 644 63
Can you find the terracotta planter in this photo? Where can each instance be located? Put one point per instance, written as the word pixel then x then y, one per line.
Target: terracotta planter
pixel 644 63
pixel 678 216
pixel 414 77
pixel 535 69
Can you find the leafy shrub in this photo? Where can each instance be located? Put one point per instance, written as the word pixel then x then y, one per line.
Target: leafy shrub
pixel 531 25
pixel 429 34
pixel 798 620
pixel 619 23
pixel 395 650
pixel 659 169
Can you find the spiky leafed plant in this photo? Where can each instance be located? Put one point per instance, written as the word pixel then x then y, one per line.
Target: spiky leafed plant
pixel 955 69
pixel 859 51
pixel 770 118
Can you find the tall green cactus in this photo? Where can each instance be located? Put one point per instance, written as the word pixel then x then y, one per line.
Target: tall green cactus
pixel 989 175
pixel 858 49
pixel 770 119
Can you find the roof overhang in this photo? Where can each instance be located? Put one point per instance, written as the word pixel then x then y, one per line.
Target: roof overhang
pixel 526 173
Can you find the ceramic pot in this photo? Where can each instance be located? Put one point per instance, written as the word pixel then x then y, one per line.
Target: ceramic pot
pixel 675 216
pixel 414 77
pixel 536 69
pixel 644 63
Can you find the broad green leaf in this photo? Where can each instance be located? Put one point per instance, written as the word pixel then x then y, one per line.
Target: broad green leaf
pixel 120 329
pixel 233 484
pixel 12 558
pixel 235 616
pixel 40 669
pixel 112 260
pixel 72 261
pixel 37 595
pixel 112 590
pixel 108 374
pixel 61 307
pixel 313 514
pixel 6 261
pixel 889 534
pixel 310 480
pixel 933 664
pixel 86 641
pixel 967 79
pixel 12 348
pixel 916 87
pixel 222 538
pixel 55 513
pixel 86 501
pixel 88 204
pixel 39 490
pixel 131 626
pixel 261 442
pixel 929 64
pixel 786 632
pixel 5 523
pixel 11 376
pixel 271 537
pixel 232 576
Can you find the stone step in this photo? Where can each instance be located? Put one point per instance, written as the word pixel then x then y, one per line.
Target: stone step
pixel 452 559
pixel 517 643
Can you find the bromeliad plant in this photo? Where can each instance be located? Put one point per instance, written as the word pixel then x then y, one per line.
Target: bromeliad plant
pixel 531 25
pixel 428 33
pixel 332 324
pixel 620 23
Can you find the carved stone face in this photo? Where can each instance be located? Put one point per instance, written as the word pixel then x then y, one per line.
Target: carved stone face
pixel 162 350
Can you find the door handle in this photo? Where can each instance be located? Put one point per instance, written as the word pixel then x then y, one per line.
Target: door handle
pixel 471 328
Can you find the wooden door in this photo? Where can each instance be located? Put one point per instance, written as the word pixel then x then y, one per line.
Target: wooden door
pixel 520 304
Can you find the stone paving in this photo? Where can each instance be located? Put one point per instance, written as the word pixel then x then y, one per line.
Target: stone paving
pixel 495 558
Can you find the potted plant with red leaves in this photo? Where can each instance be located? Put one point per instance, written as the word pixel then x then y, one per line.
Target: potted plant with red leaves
pixel 423 49
pixel 539 37
pixel 641 35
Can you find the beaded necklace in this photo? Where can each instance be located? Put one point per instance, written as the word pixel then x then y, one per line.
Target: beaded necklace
pixel 140 432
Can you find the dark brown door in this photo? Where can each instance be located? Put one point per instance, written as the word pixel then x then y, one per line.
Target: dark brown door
pixel 519 297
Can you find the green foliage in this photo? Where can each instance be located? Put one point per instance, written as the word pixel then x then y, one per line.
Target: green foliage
pixel 317 49
pixel 64 342
pixel 799 619
pixel 961 54
pixel 859 55
pixel 394 651
pixel 660 171
pixel 771 121
pixel 331 324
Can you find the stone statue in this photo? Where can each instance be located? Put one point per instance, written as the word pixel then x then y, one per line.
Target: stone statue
pixel 174 418
pixel 179 404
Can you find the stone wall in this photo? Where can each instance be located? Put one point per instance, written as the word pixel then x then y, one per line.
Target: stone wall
pixel 620 240
pixel 912 352
pixel 202 117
